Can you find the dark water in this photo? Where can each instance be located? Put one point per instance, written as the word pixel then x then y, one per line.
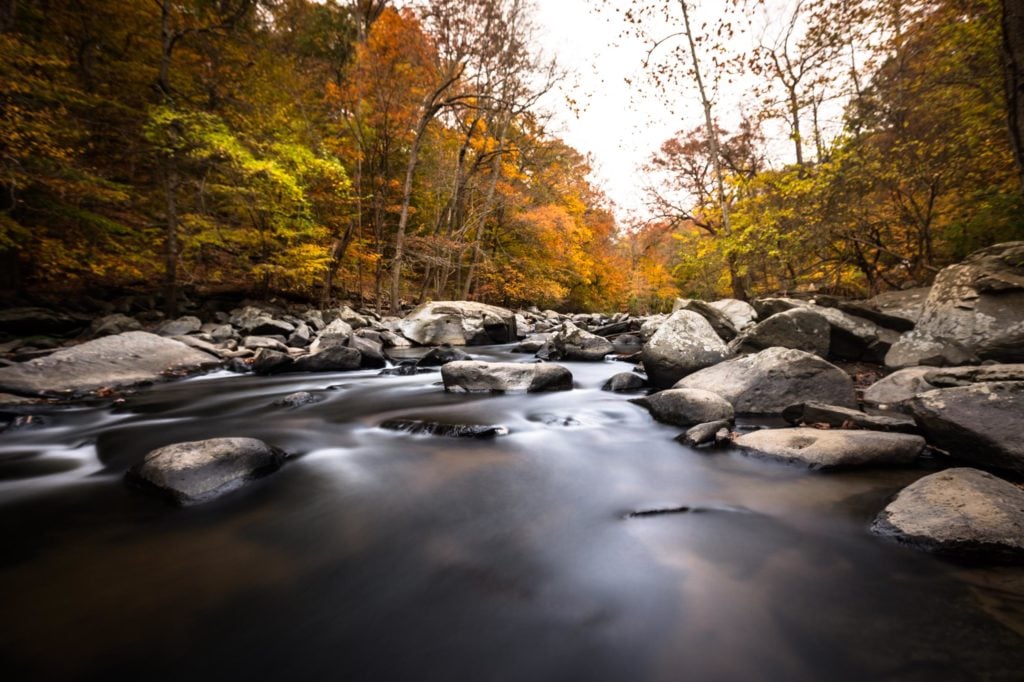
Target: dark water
pixel 378 555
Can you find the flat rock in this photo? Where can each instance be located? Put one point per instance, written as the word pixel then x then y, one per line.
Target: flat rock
pixel 459 323
pixel 118 361
pixel 844 417
pixel 686 406
pixel 198 471
pixel 980 423
pixel 832 449
pixel 772 380
pixel 473 377
pixel 896 389
pixel 965 376
pixel 683 344
pixel 961 512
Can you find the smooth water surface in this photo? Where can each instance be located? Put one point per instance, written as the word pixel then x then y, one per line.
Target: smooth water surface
pixel 378 555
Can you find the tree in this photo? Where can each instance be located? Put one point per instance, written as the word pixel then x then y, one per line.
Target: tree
pixel 1013 70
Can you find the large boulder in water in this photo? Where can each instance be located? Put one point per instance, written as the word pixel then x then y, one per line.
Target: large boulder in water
pixel 118 361
pixel 475 377
pixel 979 423
pixel 683 344
pixel 974 308
pixel 831 448
pixel 197 471
pixel 772 380
pixel 572 343
pixel 459 323
pixel 686 406
pixel 963 512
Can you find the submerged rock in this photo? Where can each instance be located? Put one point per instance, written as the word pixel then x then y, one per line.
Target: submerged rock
pixel 118 361
pixel 774 379
pixel 472 376
pixel 683 344
pixel 417 426
pixel 963 512
pixel 686 406
pixel 198 471
pixel 832 449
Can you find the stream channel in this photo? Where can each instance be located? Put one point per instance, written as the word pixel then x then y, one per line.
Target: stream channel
pixel 380 555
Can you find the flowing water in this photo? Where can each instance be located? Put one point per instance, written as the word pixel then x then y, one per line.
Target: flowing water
pixel 380 555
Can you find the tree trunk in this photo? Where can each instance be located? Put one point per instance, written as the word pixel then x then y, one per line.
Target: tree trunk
pixel 171 238
pixel 1013 70
pixel 403 219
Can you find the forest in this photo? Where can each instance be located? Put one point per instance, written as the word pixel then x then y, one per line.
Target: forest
pixel 390 153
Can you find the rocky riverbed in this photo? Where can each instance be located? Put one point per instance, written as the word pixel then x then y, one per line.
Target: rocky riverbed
pixel 536 425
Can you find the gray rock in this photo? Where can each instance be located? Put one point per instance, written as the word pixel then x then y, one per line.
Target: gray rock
pixel 774 379
pixel 686 406
pixel 905 305
pixel 650 326
pixel 180 327
pixel 471 376
pixel 832 449
pixel 392 340
pixel 980 423
pixel 119 361
pixel 113 324
pixel 899 387
pixel 252 321
pixel 962 512
pixel 532 343
pixel 766 307
pixel 198 471
pixel 301 337
pixel 223 332
pixel 334 359
pixel 683 344
pixel 974 308
pixel 420 427
pixel 718 320
pixel 298 399
pixel 800 328
pixel 372 351
pixel 627 344
pixel 203 345
pixel 442 355
pixel 573 343
pixel 624 382
pixel 965 376
pixel 844 417
pixel 269 361
pixel 740 313
pixel 705 433
pixel 258 342
pixel 460 323
pixel 854 338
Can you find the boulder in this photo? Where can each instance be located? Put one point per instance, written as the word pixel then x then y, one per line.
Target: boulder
pixel 844 417
pixel 113 324
pixel 188 324
pixel 252 321
pixel 301 337
pixel 965 376
pixel 372 351
pixel 334 334
pixel 740 313
pixel 459 323
pixel 420 427
pixel 718 320
pixel 705 433
pixel 532 343
pixel 686 406
pixel 333 359
pixel 800 328
pixel 651 325
pixel 269 361
pixel 832 449
pixel 198 471
pixel 962 512
pixel 975 308
pixel 624 382
pixel 855 338
pixel 119 361
pixel 471 376
pixel 895 390
pixel 683 344
pixel 905 306
pixel 980 423
pixel 442 355
pixel 772 380
pixel 572 343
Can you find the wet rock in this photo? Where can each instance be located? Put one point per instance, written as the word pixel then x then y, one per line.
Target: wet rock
pixel 960 512
pixel 334 359
pixel 113 324
pixel 442 355
pixel 268 361
pixel 298 399
pixel 199 471
pixel 772 380
pixel 686 406
pixel 718 320
pixel 683 344
pixel 372 351
pixel 118 361
pixel 895 390
pixel 180 327
pixel 416 426
pixel 573 343
pixel 980 423
pixel 800 328
pixel 704 433
pixel 406 368
pixel 474 376
pixel 624 382
pixel 832 449
pixel 975 308
pixel 844 417
pixel 459 323
pixel 740 313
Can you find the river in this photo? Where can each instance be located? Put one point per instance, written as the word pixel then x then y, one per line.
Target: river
pixel 379 555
